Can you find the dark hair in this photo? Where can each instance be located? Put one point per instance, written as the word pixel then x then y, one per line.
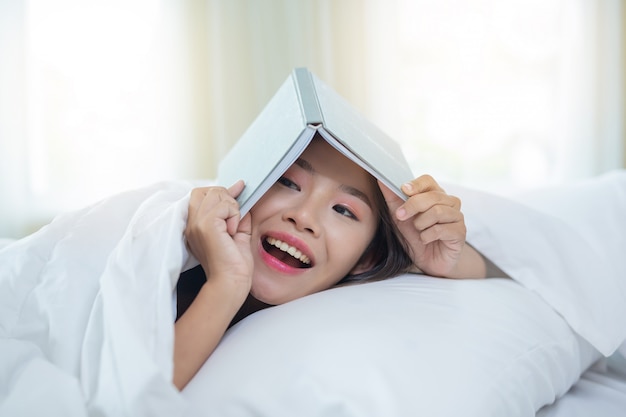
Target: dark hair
pixel 388 250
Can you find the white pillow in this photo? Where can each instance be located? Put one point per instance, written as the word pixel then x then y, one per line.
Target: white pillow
pixel 408 346
pixel 596 208
pixel 571 256
pixel 416 345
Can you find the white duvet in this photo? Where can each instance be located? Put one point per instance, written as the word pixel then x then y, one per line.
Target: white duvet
pixel 86 323
pixel 86 310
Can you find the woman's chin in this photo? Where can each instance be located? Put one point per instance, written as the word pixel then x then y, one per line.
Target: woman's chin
pixel 270 293
pixel 266 295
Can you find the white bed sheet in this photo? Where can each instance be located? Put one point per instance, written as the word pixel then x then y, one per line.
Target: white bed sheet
pixel 601 391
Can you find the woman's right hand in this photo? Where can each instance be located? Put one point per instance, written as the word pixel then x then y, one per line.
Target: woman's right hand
pixel 220 239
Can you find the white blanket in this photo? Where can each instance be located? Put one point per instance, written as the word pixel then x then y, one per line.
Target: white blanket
pixel 86 309
pixel 86 323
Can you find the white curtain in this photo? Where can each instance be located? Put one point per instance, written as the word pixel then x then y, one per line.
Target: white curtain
pixel 93 100
pixel 502 93
pixel 97 97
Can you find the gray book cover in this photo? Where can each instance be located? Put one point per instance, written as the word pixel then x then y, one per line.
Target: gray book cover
pixel 301 107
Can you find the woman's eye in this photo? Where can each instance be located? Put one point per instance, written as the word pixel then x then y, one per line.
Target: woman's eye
pixel 344 212
pixel 288 183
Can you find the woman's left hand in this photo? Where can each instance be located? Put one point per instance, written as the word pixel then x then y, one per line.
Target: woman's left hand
pixel 432 224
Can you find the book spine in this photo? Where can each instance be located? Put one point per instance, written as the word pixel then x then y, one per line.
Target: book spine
pixel 307 96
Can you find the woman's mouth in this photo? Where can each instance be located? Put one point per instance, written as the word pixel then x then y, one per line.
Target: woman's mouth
pixel 285 253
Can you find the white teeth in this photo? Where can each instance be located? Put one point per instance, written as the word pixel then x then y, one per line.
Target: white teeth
pixel 289 249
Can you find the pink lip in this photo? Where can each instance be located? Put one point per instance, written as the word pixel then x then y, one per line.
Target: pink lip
pixel 278 265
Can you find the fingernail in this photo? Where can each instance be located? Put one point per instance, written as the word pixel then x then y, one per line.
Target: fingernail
pixel 401 213
pixel 407 187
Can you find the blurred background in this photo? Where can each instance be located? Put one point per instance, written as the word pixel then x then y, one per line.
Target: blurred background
pixel 97 97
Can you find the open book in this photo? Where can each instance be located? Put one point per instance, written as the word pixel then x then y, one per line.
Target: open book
pixel 302 107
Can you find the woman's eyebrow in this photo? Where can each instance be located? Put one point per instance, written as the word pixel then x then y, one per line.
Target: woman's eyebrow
pixel 357 193
pixel 305 165
pixel 348 189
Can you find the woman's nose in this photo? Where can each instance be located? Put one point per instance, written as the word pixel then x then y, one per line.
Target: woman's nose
pixel 304 216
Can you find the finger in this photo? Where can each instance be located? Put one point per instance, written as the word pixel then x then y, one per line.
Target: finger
pixel 244 230
pixel 236 189
pixel 421 184
pixel 245 225
pixel 195 201
pixel 217 195
pixel 196 196
pixel 451 233
pixel 426 201
pixel 227 208
pixel 233 217
pixel 437 214
pixel 218 203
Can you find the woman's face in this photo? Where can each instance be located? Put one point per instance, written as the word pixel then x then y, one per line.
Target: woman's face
pixel 312 227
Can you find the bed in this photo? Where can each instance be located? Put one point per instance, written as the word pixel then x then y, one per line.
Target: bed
pixel 86 320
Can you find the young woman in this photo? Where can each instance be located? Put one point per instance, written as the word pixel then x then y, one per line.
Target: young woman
pixel 326 221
